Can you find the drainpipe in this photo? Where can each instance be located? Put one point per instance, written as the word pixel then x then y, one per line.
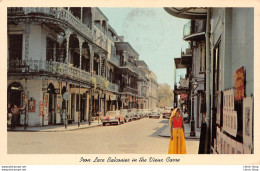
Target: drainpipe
pixel 208 113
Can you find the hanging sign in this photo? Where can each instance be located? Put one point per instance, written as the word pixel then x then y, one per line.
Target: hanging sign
pixel 66 96
pixel 184 96
pixel 239 78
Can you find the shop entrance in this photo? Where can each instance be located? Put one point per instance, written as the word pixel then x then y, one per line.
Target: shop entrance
pixel 51 110
pixel 14 93
pixel 14 96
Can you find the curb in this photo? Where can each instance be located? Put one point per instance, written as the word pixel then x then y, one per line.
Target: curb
pixel 72 129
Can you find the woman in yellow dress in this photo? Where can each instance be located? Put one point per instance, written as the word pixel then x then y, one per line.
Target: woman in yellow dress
pixel 177 141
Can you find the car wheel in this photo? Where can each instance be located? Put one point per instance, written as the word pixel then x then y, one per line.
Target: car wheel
pixel 104 124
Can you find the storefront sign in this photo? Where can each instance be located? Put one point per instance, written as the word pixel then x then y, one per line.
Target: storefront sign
pixel 112 97
pixel 45 108
pixel 239 78
pixel 31 105
pixel 41 108
pixel 184 96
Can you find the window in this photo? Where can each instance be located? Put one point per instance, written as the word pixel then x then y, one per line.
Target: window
pixel 15 46
pixel 49 49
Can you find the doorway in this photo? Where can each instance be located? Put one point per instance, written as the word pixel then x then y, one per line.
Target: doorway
pixel 51 110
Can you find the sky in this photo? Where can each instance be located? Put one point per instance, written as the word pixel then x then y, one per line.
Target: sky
pixel 154 34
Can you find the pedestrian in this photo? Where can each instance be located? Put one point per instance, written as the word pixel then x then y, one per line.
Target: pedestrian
pixel 177 141
pixel 9 115
pixel 15 115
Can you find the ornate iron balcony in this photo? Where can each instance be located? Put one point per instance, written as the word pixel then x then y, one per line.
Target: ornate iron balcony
pixel 55 13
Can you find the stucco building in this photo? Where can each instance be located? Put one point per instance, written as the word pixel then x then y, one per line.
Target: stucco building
pixel 68 63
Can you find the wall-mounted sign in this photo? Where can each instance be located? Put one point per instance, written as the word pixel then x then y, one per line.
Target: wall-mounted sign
pixel 31 105
pixel 41 108
pixel 184 96
pixel 239 78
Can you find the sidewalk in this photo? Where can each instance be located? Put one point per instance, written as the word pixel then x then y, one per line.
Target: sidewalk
pixel 57 128
pixel 166 132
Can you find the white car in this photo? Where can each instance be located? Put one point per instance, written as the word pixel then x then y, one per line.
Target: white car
pixel 113 117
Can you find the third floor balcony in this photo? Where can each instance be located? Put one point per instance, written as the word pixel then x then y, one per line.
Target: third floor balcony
pixel 55 14
pixel 194 30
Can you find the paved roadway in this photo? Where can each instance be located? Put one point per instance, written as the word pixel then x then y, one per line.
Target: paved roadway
pixel 136 137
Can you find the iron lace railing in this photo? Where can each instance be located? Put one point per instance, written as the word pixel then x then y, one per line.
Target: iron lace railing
pixel 57 13
pixel 48 67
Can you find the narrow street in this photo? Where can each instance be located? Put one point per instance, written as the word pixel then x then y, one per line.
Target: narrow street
pixel 136 137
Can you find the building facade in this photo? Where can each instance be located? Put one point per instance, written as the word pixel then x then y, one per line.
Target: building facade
pixel 223 72
pixel 68 63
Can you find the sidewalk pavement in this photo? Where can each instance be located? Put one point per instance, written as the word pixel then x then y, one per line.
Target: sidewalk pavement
pixel 57 128
pixel 166 132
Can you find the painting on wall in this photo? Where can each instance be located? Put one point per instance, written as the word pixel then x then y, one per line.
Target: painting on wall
pixel 239 148
pixel 219 108
pixel 247 121
pixel 246 149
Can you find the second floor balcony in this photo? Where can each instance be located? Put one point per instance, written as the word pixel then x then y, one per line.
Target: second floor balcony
pixel 194 30
pixel 40 67
pixel 128 89
pixel 129 66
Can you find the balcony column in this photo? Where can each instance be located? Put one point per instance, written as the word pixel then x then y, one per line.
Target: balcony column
pixel 104 65
pixel 91 73
pixel 91 59
pixel 100 65
pixel 27 30
pixel 67 37
pixel 81 41
pixel 81 14
pixel 80 56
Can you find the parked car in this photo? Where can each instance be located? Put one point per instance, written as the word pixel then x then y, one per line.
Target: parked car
pixel 154 115
pixel 145 113
pixel 139 112
pixel 135 115
pixel 113 117
pixel 167 113
pixel 128 116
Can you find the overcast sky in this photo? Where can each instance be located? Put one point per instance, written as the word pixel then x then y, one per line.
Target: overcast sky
pixel 154 34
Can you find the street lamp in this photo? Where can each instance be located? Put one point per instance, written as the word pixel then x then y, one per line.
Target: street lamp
pixel 192 132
